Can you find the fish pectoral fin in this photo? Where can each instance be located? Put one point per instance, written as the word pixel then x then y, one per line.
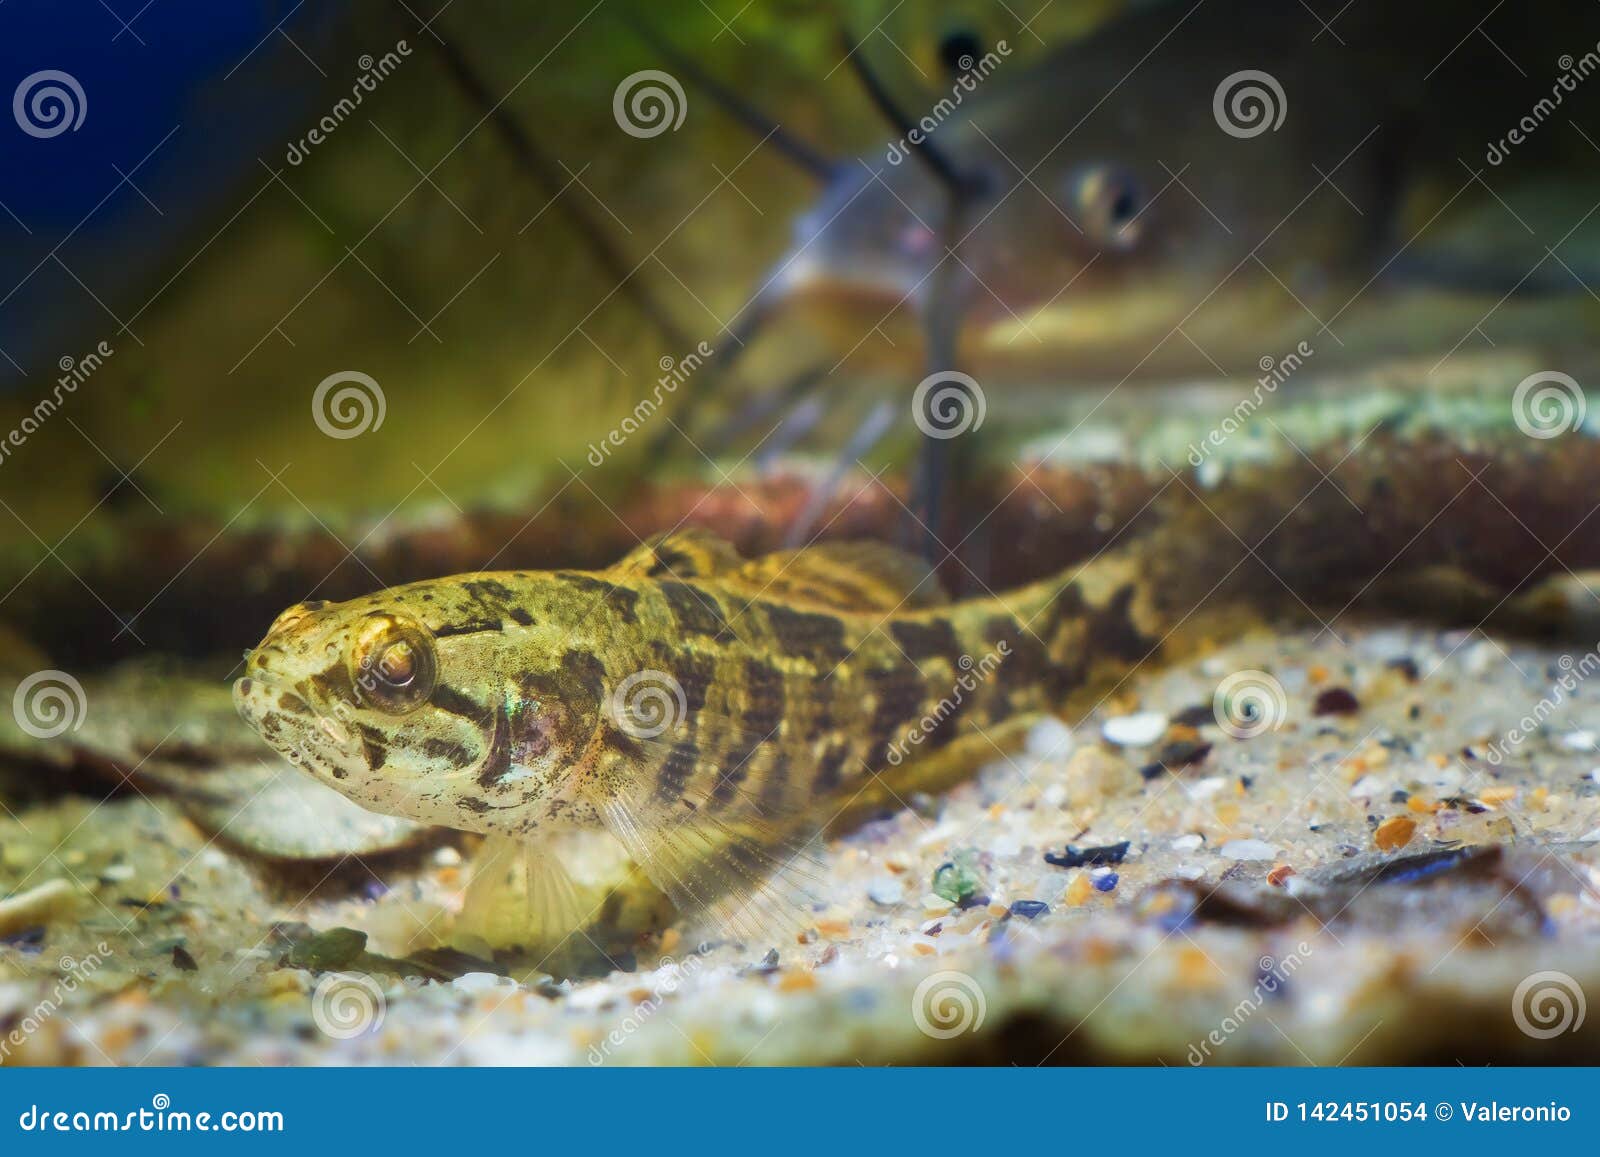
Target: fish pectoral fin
pixel 750 881
pixel 845 576
pixel 521 894
pixel 681 555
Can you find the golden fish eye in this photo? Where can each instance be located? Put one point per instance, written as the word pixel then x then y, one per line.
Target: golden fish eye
pixel 1110 204
pixel 393 664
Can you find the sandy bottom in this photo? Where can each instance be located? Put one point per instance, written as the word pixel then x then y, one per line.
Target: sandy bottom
pixel 1388 867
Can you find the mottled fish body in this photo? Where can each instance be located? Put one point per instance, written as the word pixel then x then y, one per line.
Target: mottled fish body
pixel 711 714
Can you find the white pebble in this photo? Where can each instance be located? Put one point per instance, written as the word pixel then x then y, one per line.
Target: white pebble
pixel 481 982
pixel 1479 658
pixel 1188 843
pixel 886 890
pixel 1249 850
pixel 1140 729
pixel 1581 741
pixel 446 858
pixel 1049 739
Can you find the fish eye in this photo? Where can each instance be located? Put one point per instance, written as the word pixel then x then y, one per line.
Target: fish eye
pixel 1109 202
pixel 393 664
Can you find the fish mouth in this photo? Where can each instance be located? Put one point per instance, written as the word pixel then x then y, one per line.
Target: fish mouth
pixel 270 706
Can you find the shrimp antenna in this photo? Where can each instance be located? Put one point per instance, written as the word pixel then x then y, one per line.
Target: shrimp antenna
pixel 916 140
pixel 757 122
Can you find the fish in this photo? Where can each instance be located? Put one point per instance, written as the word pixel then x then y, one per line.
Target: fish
pixel 1170 196
pixel 709 714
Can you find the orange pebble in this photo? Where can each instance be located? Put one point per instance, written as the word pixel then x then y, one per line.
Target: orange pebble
pixel 1395 833
pixel 1079 890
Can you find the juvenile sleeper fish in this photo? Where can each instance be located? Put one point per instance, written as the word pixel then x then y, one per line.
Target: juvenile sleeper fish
pixel 711 714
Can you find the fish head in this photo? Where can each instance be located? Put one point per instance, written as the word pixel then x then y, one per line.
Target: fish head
pixel 396 703
pixel 1092 240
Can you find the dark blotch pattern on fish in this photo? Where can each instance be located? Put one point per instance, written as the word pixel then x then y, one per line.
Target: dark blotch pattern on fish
pixel 899 693
pixel 933 639
pixel 334 683
pixel 497 755
pixel 759 722
pixel 447 698
pixel 676 770
pixel 466 627
pixel 619 599
pixel 455 754
pixel 372 748
pixel 1112 631
pixel 806 634
pixel 694 610
pixel 830 769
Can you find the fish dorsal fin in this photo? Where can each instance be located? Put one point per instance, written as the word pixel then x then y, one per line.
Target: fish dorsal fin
pixel 860 577
pixel 681 555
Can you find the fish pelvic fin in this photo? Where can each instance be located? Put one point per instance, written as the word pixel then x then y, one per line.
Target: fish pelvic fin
pixel 750 873
pixel 521 894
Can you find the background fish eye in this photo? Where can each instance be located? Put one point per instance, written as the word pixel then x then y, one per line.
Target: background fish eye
pixel 1108 202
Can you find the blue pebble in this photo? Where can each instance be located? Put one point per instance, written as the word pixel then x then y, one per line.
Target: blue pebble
pixel 1106 882
pixel 1029 908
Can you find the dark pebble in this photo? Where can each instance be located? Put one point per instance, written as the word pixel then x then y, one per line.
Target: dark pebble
pixel 1200 715
pixel 1028 909
pixel 766 966
pixel 182 961
pixel 1176 756
pixel 1407 666
pixel 1078 857
pixel 1336 701
pixel 1106 882
pixel 29 940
